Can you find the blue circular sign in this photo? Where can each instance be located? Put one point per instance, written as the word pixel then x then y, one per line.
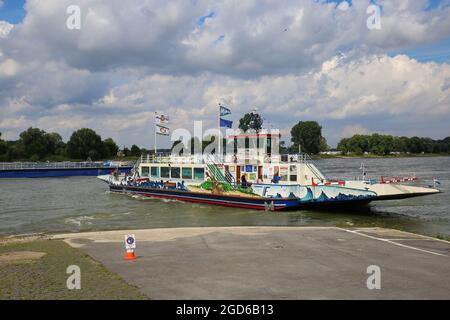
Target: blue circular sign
pixel 130 240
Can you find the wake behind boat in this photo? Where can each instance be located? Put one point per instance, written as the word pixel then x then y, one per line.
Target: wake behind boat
pixel 253 176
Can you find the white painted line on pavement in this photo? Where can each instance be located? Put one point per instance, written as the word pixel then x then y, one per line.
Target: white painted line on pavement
pixel 394 243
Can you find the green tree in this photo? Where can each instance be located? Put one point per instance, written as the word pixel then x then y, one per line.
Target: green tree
pixel 135 150
pixel 126 152
pixel 343 145
pixel 358 144
pixel 3 148
pixel 401 144
pixel 252 121
pixel 15 151
pixel 381 144
pixel 111 147
pixel 324 145
pixel 415 145
pixel 55 144
pixel 427 145
pixel 85 143
pixel 283 148
pixel 34 143
pixel 307 135
pixel 442 146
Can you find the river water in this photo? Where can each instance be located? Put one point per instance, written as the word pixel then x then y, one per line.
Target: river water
pixel 74 204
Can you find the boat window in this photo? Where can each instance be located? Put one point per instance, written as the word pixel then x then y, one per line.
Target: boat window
pixel 284 173
pixel 175 172
pixel 144 171
pixel 186 173
pixel 199 173
pixel 154 172
pixel 293 173
pixel 269 145
pixel 165 172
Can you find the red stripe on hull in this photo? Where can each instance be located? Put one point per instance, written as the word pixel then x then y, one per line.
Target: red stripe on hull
pixel 227 204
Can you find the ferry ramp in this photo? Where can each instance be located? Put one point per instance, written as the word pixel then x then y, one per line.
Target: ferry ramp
pixel 275 262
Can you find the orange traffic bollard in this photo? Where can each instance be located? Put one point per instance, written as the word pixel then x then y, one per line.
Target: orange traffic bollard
pixel 130 245
pixel 130 255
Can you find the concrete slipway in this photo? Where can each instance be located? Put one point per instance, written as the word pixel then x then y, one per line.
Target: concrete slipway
pixel 274 262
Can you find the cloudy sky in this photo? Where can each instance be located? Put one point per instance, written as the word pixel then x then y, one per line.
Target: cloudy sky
pixel 292 60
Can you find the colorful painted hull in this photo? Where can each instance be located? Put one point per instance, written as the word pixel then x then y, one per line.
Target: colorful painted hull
pixel 58 172
pixel 257 203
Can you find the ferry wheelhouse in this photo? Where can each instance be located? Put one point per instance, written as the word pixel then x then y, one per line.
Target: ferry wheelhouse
pixel 252 174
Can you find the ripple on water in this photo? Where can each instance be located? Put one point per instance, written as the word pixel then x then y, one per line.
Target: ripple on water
pixel 85 203
pixel 79 221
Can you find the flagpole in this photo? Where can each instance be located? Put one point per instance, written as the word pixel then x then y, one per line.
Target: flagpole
pixel 154 120
pixel 218 138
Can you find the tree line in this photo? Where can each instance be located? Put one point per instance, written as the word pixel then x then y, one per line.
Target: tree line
pixel 84 144
pixel 380 144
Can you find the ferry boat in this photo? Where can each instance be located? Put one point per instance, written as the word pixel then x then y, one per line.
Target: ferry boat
pixel 252 176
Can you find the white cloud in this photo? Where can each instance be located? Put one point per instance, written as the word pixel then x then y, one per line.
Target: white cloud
pixel 305 60
pixel 5 29
pixel 353 129
pixel 9 68
pixel 370 92
pixel 256 39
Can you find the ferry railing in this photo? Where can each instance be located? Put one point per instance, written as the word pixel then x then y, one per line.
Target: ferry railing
pixel 137 163
pixel 230 178
pixel 213 162
pixel 57 165
pixel 305 159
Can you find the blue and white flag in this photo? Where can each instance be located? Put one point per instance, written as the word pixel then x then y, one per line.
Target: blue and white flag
pixel 224 111
pixel 226 123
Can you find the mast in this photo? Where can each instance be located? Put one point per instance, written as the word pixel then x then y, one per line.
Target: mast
pixel 218 137
pixel 154 120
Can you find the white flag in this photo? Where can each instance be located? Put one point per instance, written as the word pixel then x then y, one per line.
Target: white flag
pixel 161 119
pixel 162 130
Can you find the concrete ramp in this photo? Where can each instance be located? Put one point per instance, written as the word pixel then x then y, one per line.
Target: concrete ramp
pixel 274 262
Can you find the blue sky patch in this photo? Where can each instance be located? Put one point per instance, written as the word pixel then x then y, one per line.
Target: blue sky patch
pixel 437 52
pixel 13 11
pixel 201 20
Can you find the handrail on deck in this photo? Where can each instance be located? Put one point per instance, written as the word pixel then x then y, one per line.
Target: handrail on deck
pixel 60 165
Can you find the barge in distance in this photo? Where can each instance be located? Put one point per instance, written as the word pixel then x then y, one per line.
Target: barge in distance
pixel 61 169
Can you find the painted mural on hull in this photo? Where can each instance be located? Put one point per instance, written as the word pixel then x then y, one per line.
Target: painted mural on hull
pixel 263 197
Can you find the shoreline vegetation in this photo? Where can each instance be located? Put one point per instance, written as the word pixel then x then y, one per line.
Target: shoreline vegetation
pixel 376 156
pixel 36 145
pixel 39 265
